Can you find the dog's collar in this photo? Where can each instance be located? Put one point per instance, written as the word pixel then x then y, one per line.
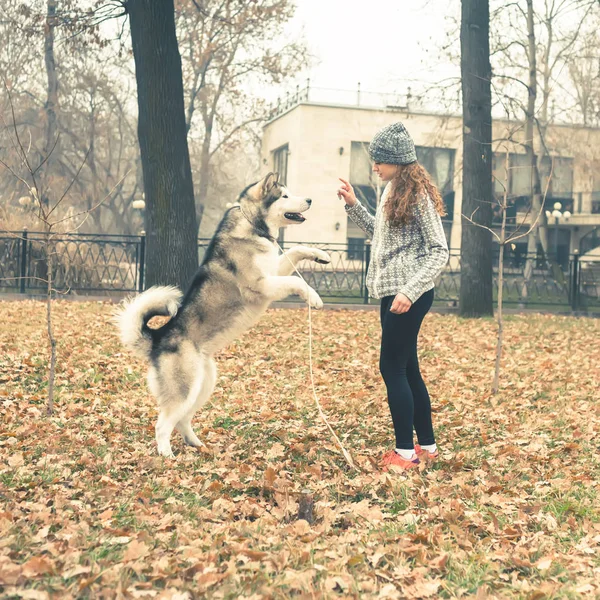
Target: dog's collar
pixel 264 233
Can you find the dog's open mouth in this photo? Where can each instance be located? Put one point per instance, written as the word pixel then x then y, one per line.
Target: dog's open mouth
pixel 294 217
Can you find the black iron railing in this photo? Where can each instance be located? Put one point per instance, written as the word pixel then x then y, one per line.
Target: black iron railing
pixel 88 264
pixel 82 263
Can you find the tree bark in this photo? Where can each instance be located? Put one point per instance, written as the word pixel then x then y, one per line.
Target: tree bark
pixel 538 235
pixel 502 244
pixel 49 253
pixel 51 89
pixel 171 226
pixel 476 298
pixel 49 159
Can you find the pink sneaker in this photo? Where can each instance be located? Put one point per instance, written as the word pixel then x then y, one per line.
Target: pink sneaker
pixel 425 454
pixel 392 458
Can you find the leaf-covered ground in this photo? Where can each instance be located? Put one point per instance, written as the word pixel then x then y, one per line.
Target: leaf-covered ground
pixel 88 510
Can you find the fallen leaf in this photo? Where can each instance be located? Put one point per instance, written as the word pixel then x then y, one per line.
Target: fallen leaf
pixel 135 550
pixel 38 565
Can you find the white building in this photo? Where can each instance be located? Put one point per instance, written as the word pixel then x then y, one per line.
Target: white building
pixel 312 142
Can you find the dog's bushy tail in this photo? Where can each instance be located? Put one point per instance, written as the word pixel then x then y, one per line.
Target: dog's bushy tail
pixel 133 315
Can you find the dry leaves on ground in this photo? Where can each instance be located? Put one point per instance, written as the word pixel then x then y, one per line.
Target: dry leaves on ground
pixel 88 510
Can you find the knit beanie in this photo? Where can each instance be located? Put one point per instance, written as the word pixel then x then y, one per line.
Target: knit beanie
pixel 393 145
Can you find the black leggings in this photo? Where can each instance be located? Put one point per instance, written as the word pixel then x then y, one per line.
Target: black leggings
pixel 407 393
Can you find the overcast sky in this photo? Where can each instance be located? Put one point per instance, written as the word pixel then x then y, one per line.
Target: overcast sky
pixel 381 43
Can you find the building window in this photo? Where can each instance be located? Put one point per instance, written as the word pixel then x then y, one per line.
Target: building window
pixel 368 188
pixel 439 163
pixel 561 183
pixel 556 175
pixel 594 205
pixel 366 184
pixel 356 248
pixel 280 165
pixel 519 179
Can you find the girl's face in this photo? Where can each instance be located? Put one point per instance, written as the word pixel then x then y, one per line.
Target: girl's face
pixel 385 171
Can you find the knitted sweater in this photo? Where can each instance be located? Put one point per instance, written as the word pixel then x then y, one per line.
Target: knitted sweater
pixel 404 259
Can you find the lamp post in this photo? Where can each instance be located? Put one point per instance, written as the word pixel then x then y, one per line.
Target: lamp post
pixel 139 206
pixel 557 215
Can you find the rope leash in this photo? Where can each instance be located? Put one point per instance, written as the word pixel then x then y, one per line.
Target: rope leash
pixel 346 454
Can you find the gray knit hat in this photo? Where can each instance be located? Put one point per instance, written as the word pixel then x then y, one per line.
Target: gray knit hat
pixel 393 145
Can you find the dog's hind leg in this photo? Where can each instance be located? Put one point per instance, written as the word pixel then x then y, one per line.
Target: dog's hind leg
pixel 209 378
pixel 171 413
pixel 187 433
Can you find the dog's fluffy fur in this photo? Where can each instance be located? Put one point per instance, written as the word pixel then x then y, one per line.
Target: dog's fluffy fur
pixel 242 273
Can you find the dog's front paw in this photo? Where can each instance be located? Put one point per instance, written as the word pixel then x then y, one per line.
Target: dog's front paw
pixel 166 453
pixel 164 449
pixel 322 257
pixel 314 300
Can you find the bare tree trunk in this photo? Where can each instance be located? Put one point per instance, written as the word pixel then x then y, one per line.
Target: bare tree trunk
pixel 535 236
pixel 49 151
pixel 476 297
pixel 52 368
pixel 171 225
pixel 49 156
pixel 51 90
pixel 499 314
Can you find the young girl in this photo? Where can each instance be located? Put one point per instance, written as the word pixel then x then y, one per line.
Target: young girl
pixel 409 250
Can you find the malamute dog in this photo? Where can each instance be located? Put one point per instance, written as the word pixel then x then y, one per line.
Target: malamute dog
pixel 242 273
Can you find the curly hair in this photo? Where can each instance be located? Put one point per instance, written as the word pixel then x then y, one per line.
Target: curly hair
pixel 410 185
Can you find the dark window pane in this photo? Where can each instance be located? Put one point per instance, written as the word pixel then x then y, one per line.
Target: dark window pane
pixel 561 182
pixel 521 177
pixel 367 195
pixel 439 163
pixel 499 174
pixel 449 205
pixel 361 172
pixel 367 185
pixel 280 160
pixel 356 248
pixel 280 163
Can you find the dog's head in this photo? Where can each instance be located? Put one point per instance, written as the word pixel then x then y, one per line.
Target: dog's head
pixel 275 203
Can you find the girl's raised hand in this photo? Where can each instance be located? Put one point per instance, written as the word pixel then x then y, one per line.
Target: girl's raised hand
pixel 346 192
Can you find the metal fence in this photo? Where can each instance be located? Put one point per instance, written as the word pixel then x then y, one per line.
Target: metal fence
pixel 83 263
pixel 86 264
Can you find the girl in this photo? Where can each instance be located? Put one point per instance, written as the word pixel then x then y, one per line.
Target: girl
pixel 409 250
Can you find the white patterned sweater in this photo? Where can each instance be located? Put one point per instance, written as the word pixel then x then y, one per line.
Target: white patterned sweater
pixel 404 259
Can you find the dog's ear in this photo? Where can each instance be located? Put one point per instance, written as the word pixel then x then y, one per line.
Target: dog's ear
pixel 269 183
